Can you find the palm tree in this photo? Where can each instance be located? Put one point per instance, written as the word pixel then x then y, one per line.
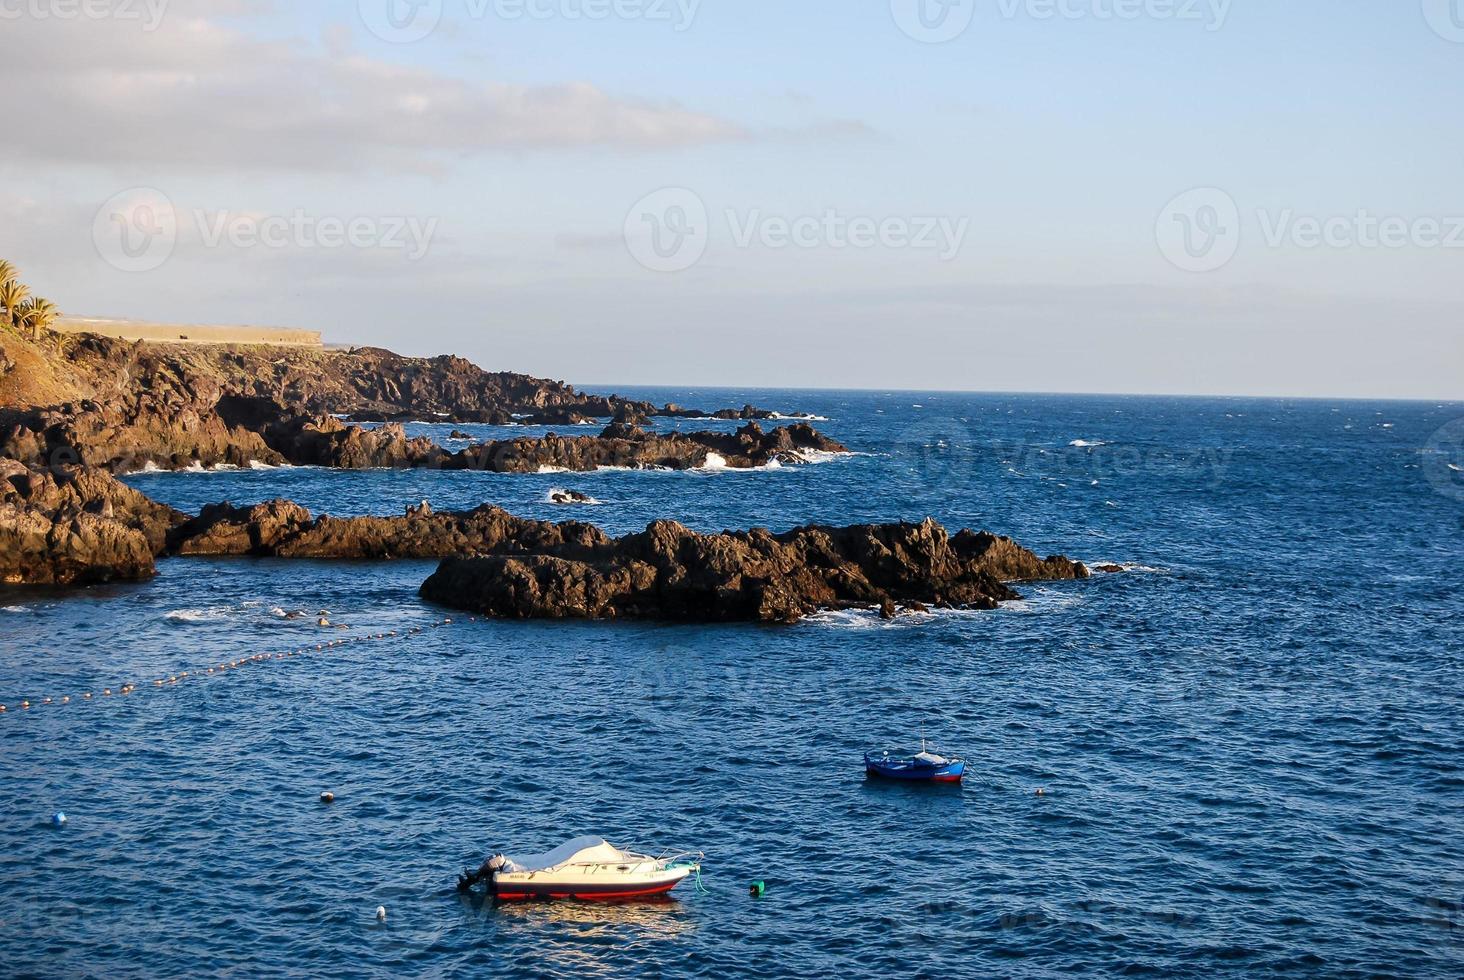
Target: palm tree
pixel 8 272
pixel 38 315
pixel 13 296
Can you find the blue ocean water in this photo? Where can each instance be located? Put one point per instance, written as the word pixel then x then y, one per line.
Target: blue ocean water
pixel 1249 741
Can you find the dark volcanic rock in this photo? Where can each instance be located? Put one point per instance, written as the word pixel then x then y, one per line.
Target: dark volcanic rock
pixel 283 529
pixel 561 496
pixel 97 401
pixel 528 569
pixel 669 572
pixel 625 445
pixel 76 527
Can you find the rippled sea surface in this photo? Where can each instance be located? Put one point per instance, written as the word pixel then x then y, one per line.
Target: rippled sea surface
pixel 1249 741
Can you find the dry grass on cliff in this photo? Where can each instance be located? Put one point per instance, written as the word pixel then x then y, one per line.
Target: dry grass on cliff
pixel 31 374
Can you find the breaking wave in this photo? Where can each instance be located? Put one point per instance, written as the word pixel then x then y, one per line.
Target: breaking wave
pixel 559 495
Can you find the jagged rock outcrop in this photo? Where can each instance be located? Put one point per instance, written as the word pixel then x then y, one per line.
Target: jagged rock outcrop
pixel 283 529
pixel 523 568
pixel 623 445
pixel 76 526
pixel 670 572
pixel 327 441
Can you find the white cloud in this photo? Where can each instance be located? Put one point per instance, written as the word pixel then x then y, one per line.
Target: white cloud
pixel 197 95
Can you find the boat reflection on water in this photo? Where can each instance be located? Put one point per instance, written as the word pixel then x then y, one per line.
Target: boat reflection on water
pixel 657 917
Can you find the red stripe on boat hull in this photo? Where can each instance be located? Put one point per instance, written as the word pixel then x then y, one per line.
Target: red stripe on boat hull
pixel 588 896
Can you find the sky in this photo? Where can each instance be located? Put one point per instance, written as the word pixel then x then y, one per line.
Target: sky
pixel 1142 196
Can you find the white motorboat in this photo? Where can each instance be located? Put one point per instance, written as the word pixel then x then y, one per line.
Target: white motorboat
pixel 587 868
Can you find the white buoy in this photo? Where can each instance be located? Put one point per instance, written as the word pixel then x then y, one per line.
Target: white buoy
pixel 381 913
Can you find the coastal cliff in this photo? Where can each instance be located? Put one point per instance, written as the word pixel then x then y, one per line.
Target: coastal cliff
pixel 102 402
pixel 75 410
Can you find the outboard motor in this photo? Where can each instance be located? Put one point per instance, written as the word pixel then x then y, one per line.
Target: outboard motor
pixel 485 873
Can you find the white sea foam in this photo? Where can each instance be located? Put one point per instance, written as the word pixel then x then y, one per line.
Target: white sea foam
pixel 1041 602
pixel 798 417
pixel 1127 566
pixel 1087 443
pixel 870 619
pixel 549 470
pixel 208 614
pixel 15 609
pixel 714 461
pixel 560 491
pixel 815 456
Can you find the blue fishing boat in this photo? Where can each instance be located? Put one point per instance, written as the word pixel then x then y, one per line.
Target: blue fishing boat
pixel 923 767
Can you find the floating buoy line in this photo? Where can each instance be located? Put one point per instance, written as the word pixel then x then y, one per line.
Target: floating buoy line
pixel 128 690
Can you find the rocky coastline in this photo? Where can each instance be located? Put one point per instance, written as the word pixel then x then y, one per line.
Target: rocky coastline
pixel 98 402
pixel 75 411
